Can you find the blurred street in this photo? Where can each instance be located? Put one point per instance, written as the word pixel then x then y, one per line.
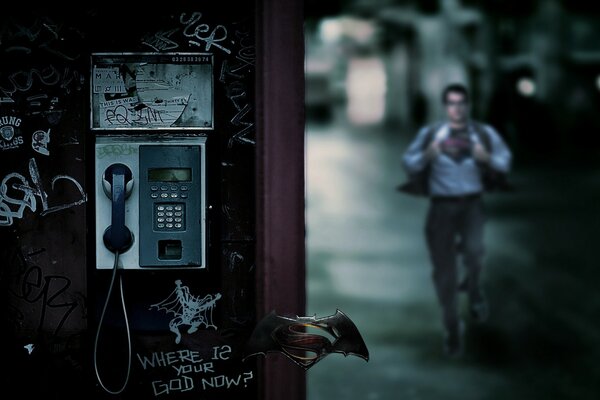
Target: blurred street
pixel 374 74
pixel 366 256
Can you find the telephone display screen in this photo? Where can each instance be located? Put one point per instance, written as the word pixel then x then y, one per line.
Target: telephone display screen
pixel 169 174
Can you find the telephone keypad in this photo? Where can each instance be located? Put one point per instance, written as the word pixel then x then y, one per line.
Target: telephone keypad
pixel 169 217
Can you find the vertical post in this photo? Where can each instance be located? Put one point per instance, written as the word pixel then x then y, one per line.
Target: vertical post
pixel 280 181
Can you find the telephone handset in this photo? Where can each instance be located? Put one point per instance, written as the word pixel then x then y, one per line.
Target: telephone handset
pixel 117 182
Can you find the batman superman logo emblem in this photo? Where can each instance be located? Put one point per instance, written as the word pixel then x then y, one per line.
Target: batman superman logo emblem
pixel 288 336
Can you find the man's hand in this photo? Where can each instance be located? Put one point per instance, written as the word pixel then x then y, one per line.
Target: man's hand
pixel 480 153
pixel 432 150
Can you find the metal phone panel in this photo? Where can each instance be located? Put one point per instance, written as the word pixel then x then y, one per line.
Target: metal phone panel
pixel 126 150
pixel 169 206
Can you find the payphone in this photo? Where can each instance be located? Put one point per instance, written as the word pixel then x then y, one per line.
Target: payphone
pixel 150 166
pixel 150 210
pixel 149 111
pixel 151 201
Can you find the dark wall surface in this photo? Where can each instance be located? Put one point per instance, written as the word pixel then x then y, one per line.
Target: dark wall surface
pixel 53 295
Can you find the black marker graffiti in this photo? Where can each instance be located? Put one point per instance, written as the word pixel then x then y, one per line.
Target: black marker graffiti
pixel 17 194
pixel 28 283
pixel 47 290
pixel 122 115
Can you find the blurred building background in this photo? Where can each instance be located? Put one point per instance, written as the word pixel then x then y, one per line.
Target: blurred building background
pixel 374 73
pixel 533 67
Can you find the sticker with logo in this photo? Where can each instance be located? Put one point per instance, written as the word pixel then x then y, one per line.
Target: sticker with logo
pixel 10 134
pixel 286 335
pixel 40 140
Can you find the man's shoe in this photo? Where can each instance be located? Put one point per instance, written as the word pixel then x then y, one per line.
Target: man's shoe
pixel 453 340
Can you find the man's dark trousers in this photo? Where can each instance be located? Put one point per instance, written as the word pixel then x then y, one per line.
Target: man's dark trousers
pixel 455 227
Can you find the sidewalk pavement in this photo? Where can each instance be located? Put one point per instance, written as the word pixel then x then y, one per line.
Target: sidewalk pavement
pixel 366 256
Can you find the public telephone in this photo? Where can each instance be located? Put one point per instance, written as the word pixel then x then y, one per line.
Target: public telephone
pixel 151 202
pixel 150 210
pixel 150 177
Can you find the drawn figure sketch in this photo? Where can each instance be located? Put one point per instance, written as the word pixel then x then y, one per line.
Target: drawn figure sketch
pixel 188 309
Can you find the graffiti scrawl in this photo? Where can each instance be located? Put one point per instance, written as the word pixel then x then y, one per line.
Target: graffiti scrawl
pixel 188 309
pixel 17 194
